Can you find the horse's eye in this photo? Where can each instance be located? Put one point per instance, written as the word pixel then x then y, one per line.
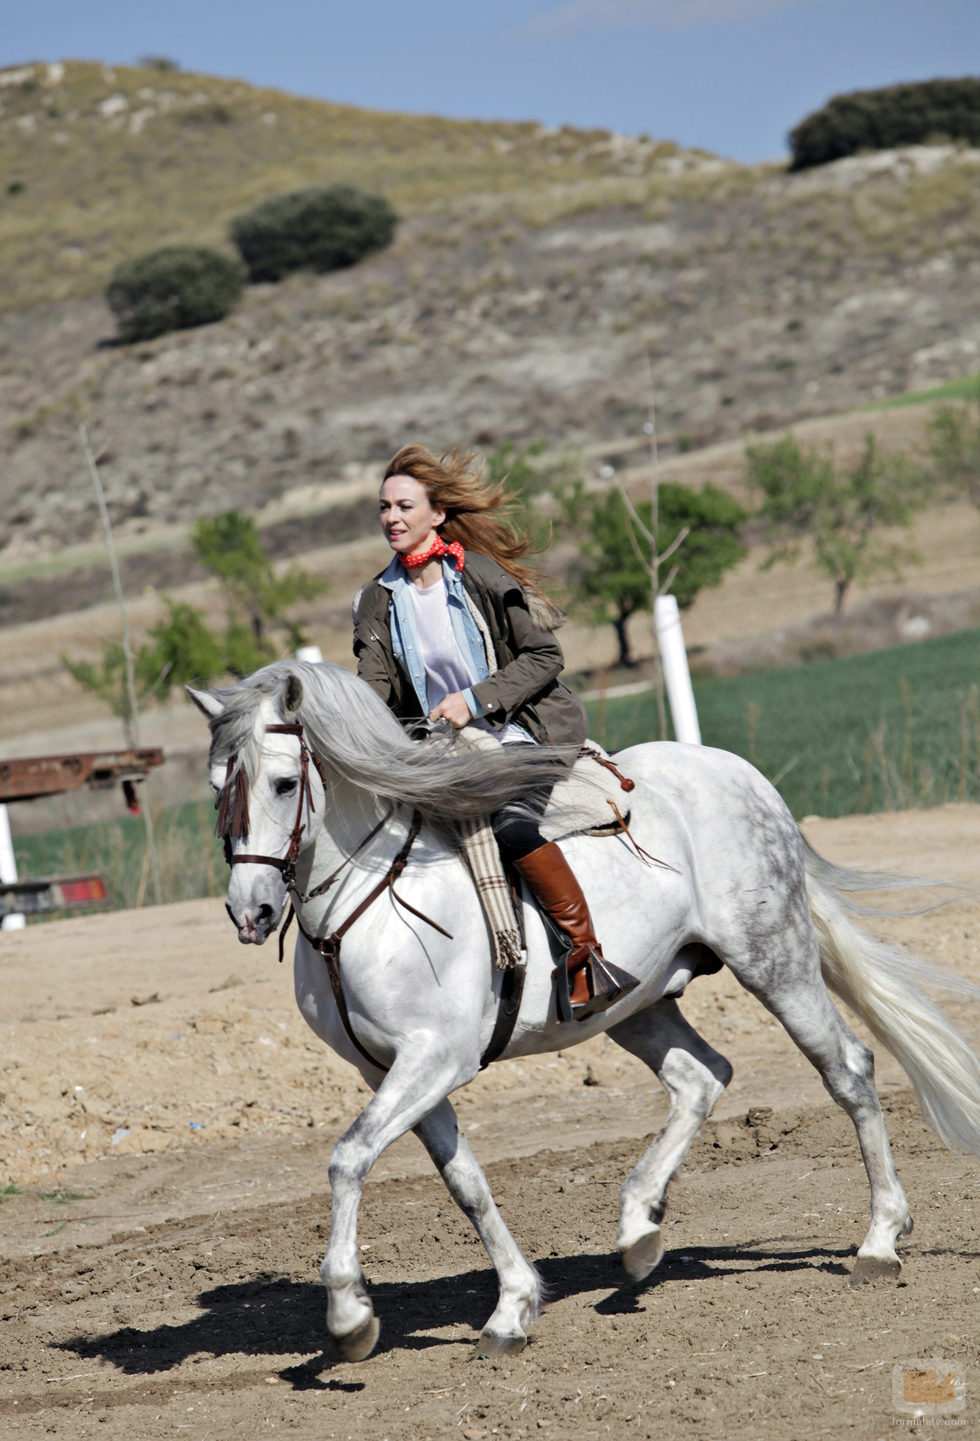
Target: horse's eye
pixel 286 786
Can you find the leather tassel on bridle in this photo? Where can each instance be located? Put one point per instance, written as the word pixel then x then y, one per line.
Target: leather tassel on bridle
pixel 233 819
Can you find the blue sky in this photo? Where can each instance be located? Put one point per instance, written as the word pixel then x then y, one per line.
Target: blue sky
pixel 731 76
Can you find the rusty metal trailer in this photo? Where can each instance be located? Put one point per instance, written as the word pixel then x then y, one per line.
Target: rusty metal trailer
pixel 29 778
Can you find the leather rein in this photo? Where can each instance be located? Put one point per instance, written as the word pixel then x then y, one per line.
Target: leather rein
pixel 233 816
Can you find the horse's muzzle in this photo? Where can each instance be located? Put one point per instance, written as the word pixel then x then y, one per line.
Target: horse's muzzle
pixel 254 927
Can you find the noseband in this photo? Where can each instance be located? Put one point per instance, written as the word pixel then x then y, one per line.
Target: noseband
pixel 239 821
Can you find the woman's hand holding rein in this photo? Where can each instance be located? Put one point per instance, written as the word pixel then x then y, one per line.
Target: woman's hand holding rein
pixel 454 709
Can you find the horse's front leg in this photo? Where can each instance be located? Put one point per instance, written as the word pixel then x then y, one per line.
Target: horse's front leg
pixel 421 1077
pixel 519 1301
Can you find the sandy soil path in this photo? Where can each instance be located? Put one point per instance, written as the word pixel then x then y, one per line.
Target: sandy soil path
pixel 166 1125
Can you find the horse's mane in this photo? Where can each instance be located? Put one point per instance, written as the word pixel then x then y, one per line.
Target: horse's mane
pixel 352 730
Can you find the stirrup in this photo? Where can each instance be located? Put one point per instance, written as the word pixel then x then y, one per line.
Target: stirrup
pixel 563 988
pixel 607 985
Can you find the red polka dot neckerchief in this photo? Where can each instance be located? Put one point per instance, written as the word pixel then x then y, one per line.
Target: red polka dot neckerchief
pixel 433 552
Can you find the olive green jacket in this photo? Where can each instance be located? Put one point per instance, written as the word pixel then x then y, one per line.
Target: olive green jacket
pixel 523 684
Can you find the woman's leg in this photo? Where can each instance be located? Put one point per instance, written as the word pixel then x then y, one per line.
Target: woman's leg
pixel 591 984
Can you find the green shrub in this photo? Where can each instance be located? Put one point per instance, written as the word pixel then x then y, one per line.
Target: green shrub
pixel 181 650
pixel 319 229
pixel 172 289
pixel 954 448
pixel 162 63
pixel 849 514
pixel 880 119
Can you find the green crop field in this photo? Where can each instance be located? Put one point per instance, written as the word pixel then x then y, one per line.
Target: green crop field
pixel 892 730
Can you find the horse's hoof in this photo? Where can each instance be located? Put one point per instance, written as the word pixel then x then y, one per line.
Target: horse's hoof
pixel 493 1344
pixel 643 1255
pixel 875 1268
pixel 358 1344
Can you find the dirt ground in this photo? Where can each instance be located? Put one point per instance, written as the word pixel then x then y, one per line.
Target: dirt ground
pixel 166 1126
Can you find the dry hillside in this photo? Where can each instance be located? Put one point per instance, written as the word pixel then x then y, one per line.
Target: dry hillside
pixel 532 275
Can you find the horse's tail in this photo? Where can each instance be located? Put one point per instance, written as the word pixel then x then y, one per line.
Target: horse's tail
pixel 883 985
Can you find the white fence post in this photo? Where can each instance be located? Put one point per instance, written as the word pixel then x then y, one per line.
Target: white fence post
pixel 8 870
pixel 312 653
pixel 673 654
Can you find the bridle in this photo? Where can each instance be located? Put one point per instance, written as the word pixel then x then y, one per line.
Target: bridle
pixel 233 815
pixel 238 822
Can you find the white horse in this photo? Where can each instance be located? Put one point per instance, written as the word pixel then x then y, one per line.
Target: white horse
pixel 318 786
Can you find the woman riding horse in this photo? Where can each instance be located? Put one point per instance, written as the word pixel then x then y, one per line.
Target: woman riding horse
pixel 456 629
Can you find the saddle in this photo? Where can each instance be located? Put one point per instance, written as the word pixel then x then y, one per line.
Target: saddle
pixel 586 802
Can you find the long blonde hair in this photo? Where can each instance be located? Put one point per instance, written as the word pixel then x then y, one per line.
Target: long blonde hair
pixel 454 483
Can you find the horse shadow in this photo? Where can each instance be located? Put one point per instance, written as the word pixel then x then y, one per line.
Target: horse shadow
pixel 275 1316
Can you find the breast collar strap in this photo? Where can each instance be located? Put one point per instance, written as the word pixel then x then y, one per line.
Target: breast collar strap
pixel 329 946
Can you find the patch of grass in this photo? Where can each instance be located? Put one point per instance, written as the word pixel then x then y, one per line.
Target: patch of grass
pixel 965 388
pixel 189 854
pixel 891 730
pixel 890 216
pixel 944 201
pixel 62 1197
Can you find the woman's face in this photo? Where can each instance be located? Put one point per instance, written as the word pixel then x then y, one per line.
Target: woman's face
pixel 407 519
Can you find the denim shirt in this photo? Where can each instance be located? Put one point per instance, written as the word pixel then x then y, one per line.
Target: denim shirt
pixel 404 637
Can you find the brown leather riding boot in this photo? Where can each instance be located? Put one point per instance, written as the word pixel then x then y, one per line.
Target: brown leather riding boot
pixel 593 983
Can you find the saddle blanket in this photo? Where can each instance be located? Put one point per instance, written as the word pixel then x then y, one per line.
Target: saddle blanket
pixel 593 798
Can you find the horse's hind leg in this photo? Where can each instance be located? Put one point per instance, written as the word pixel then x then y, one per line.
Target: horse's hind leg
pixel 846 1066
pixel 520 1287
pixel 694 1076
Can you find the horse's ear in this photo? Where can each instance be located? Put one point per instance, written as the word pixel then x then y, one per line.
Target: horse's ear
pixel 206 703
pixel 292 695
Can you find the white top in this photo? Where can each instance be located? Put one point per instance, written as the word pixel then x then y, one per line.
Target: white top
pixel 446 668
